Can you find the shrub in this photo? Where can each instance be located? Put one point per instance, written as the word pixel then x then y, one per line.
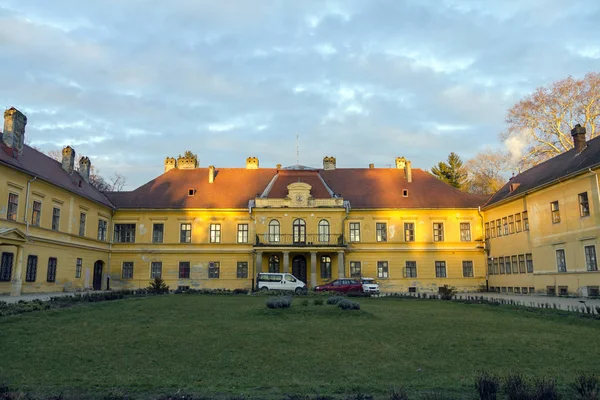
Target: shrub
pixel 346 304
pixel 544 389
pixel 279 302
pixel 240 291
pixel 334 299
pixel 398 394
pixel 447 292
pixel 158 286
pixel 516 388
pixel 318 302
pixel 304 303
pixel 587 387
pixel 487 386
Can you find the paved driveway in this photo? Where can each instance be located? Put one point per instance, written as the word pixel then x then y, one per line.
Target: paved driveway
pixel 534 300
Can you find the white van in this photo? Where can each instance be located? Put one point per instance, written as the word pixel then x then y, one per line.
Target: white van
pixel 279 281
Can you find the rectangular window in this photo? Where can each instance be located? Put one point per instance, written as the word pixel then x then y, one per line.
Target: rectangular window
pixel 184 270
pixel 56 219
pixel 156 269
pixel 501 263
pixel 511 224
pixel 124 233
pixel 525 221
pixel 82 217
pixel 213 269
pixel 51 276
pixel 496 266
pixel 355 271
pixel 515 265
pixel 411 269
pixel 490 267
pixel 13 206
pixel 468 269
pixel 215 233
pixel 78 267
pixel 242 270
pixel 492 229
pixel 555 212
pixel 507 262
pixel 158 233
pixel 561 260
pixel 529 262
pixel 381 228
pixel 465 232
pixel 590 258
pixel 498 228
pixel 102 227
pixel 487 230
pixel 355 231
pixel 584 205
pixel 31 273
pixel 185 233
pixel 382 270
pixel 409 232
pixel 242 236
pixel 522 263
pixel 36 213
pixel 504 226
pixel 438 232
pixel 518 222
pixel 127 272
pixel 6 265
pixel 440 269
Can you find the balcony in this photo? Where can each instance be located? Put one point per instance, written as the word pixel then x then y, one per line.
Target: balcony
pixel 312 240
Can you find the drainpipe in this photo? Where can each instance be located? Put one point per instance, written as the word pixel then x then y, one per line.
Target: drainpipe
pixel 253 250
pixel 26 220
pixel 487 282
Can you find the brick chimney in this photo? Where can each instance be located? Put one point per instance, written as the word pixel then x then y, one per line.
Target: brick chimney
pixel 187 161
pixel 170 163
pixel 371 166
pixel 329 163
pixel 211 174
pixel 85 165
pixel 251 163
pixel 403 163
pixel 68 159
pixel 14 129
pixel 579 142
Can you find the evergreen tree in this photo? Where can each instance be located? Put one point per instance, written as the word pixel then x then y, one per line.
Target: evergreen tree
pixel 451 172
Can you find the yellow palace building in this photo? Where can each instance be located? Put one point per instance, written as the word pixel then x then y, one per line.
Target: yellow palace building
pixel 214 227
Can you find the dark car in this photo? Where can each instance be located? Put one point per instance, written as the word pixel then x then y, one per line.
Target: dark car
pixel 341 285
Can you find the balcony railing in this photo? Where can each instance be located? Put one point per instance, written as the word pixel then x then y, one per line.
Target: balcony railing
pixel 312 240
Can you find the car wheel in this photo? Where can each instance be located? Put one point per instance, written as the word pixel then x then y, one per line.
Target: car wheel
pixel 264 289
pixel 299 290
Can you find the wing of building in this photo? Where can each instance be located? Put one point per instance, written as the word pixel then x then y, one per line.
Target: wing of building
pixel 218 227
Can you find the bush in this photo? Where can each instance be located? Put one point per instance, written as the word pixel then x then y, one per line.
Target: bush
pixel 279 302
pixel 346 304
pixel 447 292
pixel 587 387
pixel 398 394
pixel 304 303
pixel 334 299
pixel 158 286
pixel 516 388
pixel 545 389
pixel 487 386
pixel 318 302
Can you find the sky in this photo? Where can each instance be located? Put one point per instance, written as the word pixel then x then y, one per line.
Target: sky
pixel 128 83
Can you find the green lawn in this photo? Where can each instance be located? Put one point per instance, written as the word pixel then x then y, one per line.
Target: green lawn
pixel 233 345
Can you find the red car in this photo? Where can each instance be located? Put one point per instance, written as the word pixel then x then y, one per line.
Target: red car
pixel 341 285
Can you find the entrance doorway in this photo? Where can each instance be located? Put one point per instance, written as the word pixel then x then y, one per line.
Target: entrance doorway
pixel 299 268
pixel 97 281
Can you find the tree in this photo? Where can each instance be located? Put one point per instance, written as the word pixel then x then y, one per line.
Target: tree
pixel 484 171
pixel 114 184
pixel 451 172
pixel 539 126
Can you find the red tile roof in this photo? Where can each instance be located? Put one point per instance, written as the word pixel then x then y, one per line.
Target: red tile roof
pixel 38 164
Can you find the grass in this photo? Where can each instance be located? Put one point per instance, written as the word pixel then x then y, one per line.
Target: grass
pixel 235 346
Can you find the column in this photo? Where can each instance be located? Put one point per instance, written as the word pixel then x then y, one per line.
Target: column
pixel 17 282
pixel 286 262
pixel 313 268
pixel 341 268
pixel 259 257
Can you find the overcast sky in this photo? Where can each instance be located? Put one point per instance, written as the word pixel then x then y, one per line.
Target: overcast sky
pixel 128 83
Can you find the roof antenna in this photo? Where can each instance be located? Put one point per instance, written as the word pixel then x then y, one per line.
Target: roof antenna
pixel 297 150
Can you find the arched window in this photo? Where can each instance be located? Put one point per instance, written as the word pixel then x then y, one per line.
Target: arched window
pixel 274 231
pixel 299 231
pixel 274 263
pixel 326 267
pixel 323 231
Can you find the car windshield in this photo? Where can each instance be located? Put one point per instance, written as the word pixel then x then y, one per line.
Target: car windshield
pixel 367 281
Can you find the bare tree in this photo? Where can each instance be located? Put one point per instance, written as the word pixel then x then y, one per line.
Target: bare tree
pixel 541 123
pixel 485 171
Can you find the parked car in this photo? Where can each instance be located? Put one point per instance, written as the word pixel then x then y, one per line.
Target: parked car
pixel 341 285
pixel 279 281
pixel 369 285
